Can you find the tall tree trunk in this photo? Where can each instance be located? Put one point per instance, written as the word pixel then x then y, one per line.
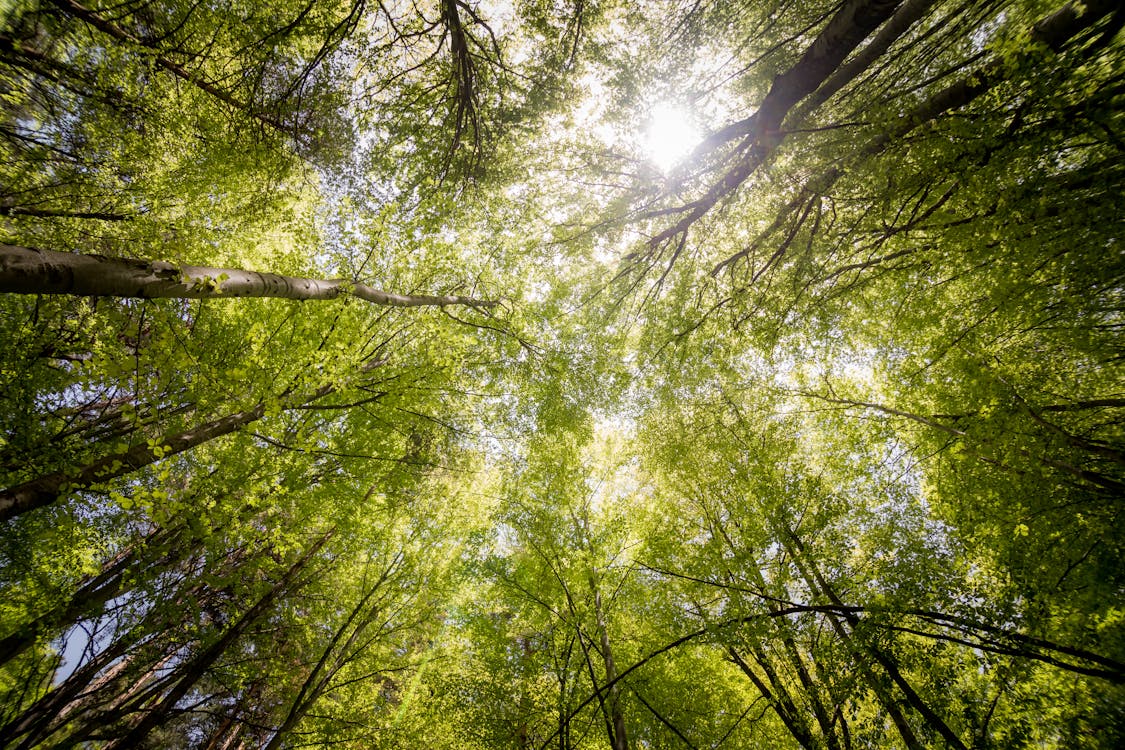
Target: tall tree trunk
pixel 1055 31
pixel 620 738
pixel 90 688
pixel 855 20
pixel 225 735
pixel 909 13
pixel 39 720
pixel 228 735
pixel 32 271
pixel 808 683
pixel 782 704
pixel 44 490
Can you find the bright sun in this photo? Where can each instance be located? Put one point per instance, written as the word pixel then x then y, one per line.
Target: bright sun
pixel 669 136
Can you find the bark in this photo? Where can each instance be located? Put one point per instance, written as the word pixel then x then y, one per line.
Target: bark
pixel 326 667
pixel 878 687
pixel 611 705
pixel 225 735
pixel 107 421
pixel 850 26
pixel 31 271
pixel 93 593
pixel 125 694
pixel 782 705
pixel 620 737
pixel 602 705
pixel 816 582
pixel 1116 674
pixel 991 638
pixel 808 683
pixel 463 81
pixel 46 489
pixel 87 694
pixel 1054 31
pixel 906 16
pixel 76 691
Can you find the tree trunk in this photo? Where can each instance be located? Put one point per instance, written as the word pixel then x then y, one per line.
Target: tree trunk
pixel 31 271
pixel 844 32
pixel 620 739
pixel 1055 31
pixel 905 17
pixel 44 490
pixel 808 683
pixel 782 705
pixel 73 693
pixel 91 686
pixel 327 667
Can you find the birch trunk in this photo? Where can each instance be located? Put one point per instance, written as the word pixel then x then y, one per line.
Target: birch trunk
pixel 31 271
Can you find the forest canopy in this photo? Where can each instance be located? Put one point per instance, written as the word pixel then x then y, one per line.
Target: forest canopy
pixel 526 375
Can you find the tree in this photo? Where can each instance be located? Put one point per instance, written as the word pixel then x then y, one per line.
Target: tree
pixel 811 438
pixel 48 272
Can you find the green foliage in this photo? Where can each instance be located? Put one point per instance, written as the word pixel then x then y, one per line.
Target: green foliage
pixel 815 440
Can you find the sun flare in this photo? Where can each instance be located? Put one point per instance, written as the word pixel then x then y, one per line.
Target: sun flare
pixel 670 136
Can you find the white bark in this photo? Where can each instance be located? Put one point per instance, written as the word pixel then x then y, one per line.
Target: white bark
pixel 32 271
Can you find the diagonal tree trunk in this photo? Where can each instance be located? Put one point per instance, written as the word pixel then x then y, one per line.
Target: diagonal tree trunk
pixel 86 687
pixel 852 24
pixel 777 697
pixel 46 489
pixel 31 271
pixel 332 659
pixel 1054 31
pixel 906 16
